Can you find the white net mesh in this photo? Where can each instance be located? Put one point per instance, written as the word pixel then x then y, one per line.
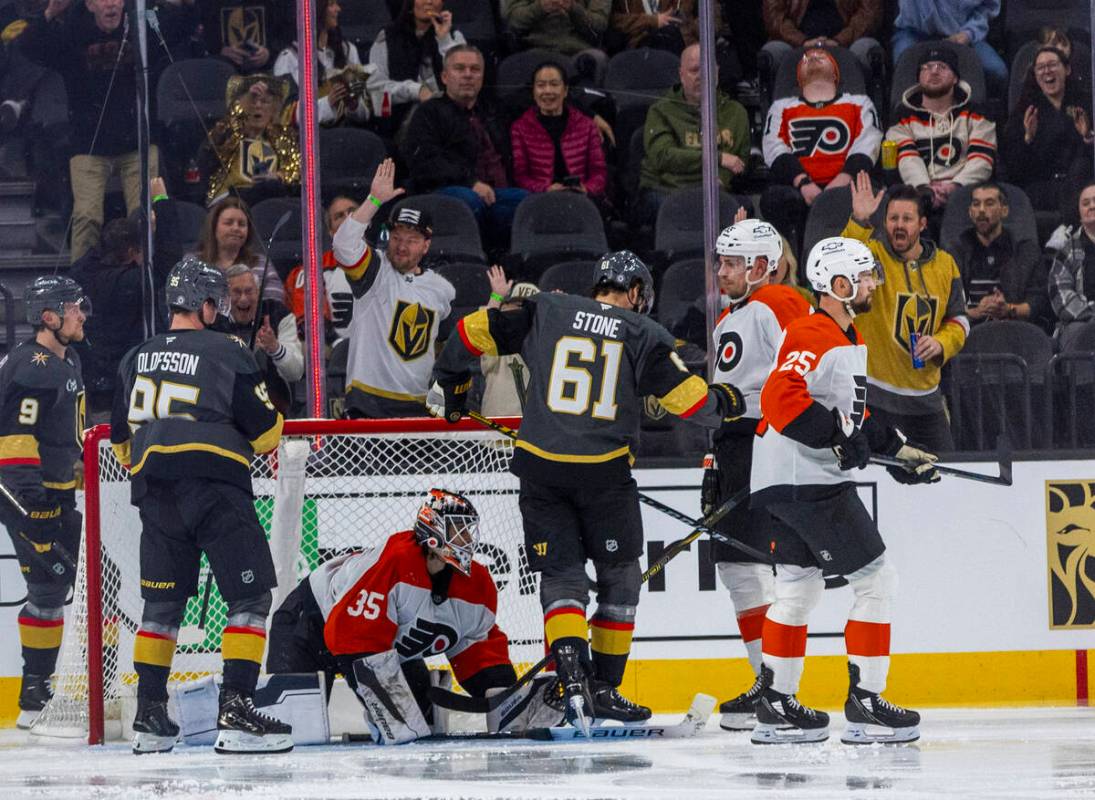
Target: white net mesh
pixel 317 497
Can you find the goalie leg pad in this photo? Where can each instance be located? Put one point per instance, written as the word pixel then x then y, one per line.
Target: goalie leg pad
pixel 867 634
pixel 390 706
pixel 535 705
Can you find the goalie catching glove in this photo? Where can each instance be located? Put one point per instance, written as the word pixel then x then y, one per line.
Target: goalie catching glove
pixel 448 402
pixel 918 464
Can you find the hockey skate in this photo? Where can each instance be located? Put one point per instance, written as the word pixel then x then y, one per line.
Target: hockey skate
pixel 872 718
pixel 782 718
pixel 34 693
pixel 740 714
pixel 244 729
pixel 154 729
pixel 577 702
pixel 608 703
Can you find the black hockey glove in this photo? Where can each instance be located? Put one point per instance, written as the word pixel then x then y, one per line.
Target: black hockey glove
pixel 852 448
pixel 709 489
pixel 38 538
pixel 917 461
pixel 448 402
pixel 731 403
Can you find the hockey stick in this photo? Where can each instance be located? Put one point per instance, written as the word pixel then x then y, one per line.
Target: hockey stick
pixel 694 722
pixel 1003 458
pixel 482 705
pixel 63 555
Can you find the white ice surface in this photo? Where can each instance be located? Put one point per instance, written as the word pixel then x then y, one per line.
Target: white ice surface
pixel 1022 753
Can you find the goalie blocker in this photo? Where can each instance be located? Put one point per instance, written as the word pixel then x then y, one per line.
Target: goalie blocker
pixel 374 616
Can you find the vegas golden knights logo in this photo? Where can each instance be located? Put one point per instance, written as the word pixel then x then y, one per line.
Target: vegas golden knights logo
pixel 913 313
pixel 410 332
pixel 257 158
pixel 1070 535
pixel 243 24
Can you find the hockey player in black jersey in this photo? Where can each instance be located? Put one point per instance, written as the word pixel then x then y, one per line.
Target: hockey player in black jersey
pixel 591 361
pixel 190 413
pixel 41 436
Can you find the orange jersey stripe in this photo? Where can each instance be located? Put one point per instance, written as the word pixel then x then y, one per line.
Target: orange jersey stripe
pixel 784 641
pixel 751 623
pixel 867 638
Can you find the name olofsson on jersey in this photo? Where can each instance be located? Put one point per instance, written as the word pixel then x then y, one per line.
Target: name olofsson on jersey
pixel 597 324
pixel 168 361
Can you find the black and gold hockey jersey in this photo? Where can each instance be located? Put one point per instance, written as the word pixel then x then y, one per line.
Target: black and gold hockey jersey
pixel 41 420
pixel 192 403
pixel 590 365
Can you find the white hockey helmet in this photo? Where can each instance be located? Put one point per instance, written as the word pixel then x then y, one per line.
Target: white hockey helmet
pixel 839 256
pixel 751 238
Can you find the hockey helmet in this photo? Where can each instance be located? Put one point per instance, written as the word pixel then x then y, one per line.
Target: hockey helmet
pixel 839 256
pixel 621 270
pixel 749 239
pixel 192 282
pixel 51 293
pixel 448 524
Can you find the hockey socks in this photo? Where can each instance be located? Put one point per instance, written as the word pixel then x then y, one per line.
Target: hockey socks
pixel 242 649
pixel 751 626
pixel 610 641
pixel 784 652
pixel 153 651
pixel 40 632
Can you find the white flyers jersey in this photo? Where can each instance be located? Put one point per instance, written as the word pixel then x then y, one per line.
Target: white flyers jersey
pixel 395 319
pixel 382 599
pixel 747 335
pixel 817 363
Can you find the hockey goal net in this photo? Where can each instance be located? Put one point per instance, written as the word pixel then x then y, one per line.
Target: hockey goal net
pixel 331 486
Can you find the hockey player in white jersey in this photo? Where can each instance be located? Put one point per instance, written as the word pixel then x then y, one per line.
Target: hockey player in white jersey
pixel 815 428
pixel 375 615
pixel 398 306
pixel 745 338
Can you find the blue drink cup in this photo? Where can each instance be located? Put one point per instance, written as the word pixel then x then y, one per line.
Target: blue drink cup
pixel 914 337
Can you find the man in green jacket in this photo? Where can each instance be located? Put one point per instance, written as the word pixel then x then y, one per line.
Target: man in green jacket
pixel 671 140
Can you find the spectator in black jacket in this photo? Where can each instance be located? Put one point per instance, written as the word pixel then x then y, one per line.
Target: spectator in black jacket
pixel 86 44
pixel 456 145
pixel 1004 278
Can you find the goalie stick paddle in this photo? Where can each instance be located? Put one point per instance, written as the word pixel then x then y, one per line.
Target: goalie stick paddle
pixel 483 705
pixel 703 705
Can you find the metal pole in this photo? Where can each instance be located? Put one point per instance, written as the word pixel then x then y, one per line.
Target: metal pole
pixel 140 41
pixel 315 368
pixel 709 142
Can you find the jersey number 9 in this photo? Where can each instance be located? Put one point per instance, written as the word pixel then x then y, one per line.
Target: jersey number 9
pixel 570 387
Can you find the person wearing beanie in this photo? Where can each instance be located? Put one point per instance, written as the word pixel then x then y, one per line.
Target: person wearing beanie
pixel 815 142
pixel 943 140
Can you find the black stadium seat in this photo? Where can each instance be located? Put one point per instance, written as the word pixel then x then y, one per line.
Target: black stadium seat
pixel 678 232
pixel 569 277
pixel 348 158
pixel 555 226
pixel 641 76
pixel 472 291
pixel 905 71
pixel 1020 220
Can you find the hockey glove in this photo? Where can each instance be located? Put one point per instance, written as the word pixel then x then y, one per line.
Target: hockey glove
pixel 852 448
pixel 731 403
pixel 709 489
pixel 918 463
pixel 448 402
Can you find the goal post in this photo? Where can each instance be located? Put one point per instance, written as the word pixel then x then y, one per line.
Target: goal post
pixel 331 486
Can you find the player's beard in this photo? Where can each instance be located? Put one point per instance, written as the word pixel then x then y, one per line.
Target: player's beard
pixel 861 306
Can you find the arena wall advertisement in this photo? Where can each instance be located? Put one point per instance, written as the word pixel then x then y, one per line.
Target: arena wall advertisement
pixel 996 602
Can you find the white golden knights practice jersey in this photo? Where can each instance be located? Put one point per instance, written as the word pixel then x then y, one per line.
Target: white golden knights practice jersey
pixel 395 320
pixel 818 368
pixel 385 598
pixel 747 335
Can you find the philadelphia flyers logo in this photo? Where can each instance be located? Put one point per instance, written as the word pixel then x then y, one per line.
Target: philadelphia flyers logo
pixel 819 136
pixel 729 351
pixel 944 152
pixel 426 638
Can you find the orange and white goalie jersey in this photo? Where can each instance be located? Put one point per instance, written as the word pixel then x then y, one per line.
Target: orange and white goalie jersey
pixel 383 599
pixel 819 367
pixel 747 335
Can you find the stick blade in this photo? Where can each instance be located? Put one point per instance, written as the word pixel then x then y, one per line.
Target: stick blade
pixel 1003 456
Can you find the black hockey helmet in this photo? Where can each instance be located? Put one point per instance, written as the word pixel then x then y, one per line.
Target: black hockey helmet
pixel 51 293
pixel 448 524
pixel 192 282
pixel 621 270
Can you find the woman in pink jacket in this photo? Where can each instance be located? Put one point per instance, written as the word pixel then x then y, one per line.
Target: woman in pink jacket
pixel 556 146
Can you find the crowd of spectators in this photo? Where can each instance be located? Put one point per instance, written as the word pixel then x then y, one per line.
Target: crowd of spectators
pixel 857 115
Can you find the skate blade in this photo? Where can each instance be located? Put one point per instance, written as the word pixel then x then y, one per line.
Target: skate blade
pixel 26 719
pixel 765 733
pixel 738 721
pixel 858 733
pixel 144 743
pixel 235 742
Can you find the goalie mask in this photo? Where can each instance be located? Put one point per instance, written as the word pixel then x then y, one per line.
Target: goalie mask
pixel 448 525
